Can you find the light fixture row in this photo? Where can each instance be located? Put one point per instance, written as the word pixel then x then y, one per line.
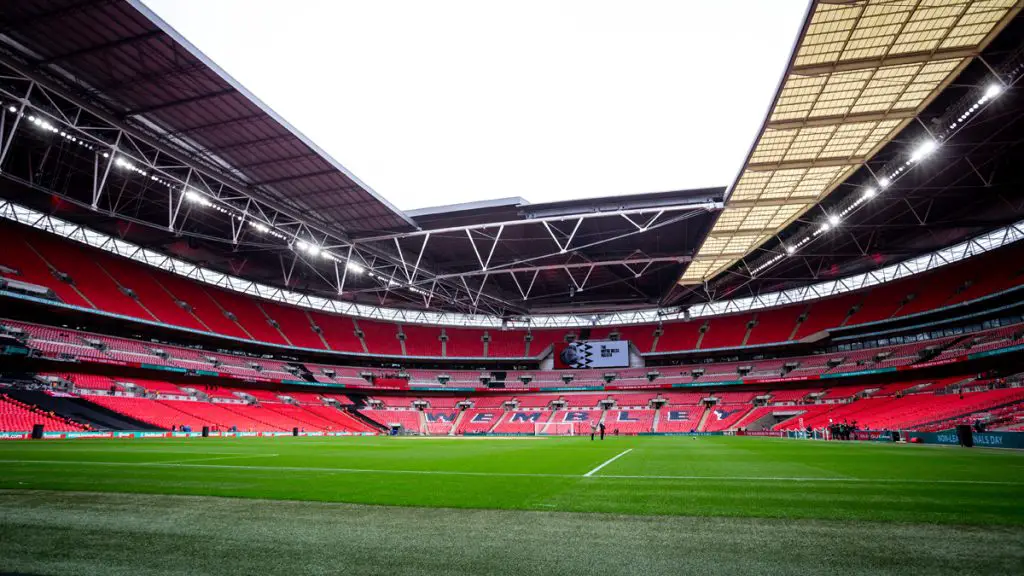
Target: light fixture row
pixel 921 151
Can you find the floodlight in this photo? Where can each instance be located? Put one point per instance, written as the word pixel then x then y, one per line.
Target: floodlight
pixel 923 150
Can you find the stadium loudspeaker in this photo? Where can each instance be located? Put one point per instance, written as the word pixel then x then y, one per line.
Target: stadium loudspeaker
pixel 965 435
pixel 295 431
pixel 206 431
pixel 37 431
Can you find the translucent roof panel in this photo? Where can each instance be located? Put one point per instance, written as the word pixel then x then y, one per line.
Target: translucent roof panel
pixel 861 71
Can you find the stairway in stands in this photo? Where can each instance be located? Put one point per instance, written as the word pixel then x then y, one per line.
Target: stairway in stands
pixel 703 419
pixel 457 423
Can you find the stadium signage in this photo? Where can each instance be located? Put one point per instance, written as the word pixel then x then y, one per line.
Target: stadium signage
pixel 576 416
pixel 987 439
pixel 593 354
pixel 636 386
pixel 75 435
pixel 440 417
pixel 677 416
pixel 99 360
pixel 161 367
pixel 526 417
pixel 996 352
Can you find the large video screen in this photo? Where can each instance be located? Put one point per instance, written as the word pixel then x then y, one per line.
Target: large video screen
pixel 593 354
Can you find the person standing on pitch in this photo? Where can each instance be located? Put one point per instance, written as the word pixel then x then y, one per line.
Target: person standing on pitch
pixel 593 430
pixel 601 425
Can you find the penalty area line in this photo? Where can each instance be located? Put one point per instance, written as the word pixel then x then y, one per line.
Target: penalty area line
pixel 607 462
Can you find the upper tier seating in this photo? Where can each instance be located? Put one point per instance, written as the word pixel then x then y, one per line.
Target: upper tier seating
pixel 423 340
pixel 464 342
pixel 507 344
pixel 725 331
pixel 98 279
pixel 777 325
pixel 382 338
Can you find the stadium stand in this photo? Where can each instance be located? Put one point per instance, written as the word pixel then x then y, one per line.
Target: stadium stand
pixel 97 279
pixel 17 416
pixel 679 418
pixel 381 338
pixel 629 421
pixel 725 331
pixel 506 344
pixel 422 340
pixel 338 331
pixel 464 342
pixel 408 419
pixel 294 324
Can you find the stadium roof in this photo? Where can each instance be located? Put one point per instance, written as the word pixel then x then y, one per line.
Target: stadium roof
pixel 122 128
pixel 121 57
pixel 861 72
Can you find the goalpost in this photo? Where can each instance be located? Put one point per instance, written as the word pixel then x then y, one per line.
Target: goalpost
pixel 554 429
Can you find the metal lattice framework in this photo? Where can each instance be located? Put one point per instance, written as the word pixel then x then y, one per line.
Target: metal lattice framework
pixel 961 251
pixel 861 72
pixel 567 252
pixel 126 169
pixel 141 179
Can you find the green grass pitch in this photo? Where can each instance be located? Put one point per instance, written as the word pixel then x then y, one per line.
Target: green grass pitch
pixel 714 505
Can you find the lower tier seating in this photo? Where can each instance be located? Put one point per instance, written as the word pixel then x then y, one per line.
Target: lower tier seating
pixel 17 416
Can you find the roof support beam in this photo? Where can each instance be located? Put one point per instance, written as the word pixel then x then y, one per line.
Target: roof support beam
pixel 228 122
pixel 693 207
pixel 294 158
pixel 872 63
pixel 180 102
pixel 327 172
pixel 847 119
pixel 629 262
pixel 796 164
pixel 102 47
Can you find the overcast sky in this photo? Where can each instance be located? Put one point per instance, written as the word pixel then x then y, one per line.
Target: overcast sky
pixel 447 101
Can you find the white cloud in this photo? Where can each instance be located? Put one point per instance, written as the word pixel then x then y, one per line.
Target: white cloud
pixel 434 103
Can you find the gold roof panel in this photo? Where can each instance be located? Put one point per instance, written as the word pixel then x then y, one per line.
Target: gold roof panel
pixel 861 71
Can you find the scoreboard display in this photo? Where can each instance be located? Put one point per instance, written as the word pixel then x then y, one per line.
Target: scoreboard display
pixel 593 354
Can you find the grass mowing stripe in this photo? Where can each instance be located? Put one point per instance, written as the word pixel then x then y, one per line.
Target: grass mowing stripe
pixel 235 457
pixel 607 462
pixel 185 464
pixel 806 479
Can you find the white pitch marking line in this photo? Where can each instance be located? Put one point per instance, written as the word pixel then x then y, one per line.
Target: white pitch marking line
pixel 607 462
